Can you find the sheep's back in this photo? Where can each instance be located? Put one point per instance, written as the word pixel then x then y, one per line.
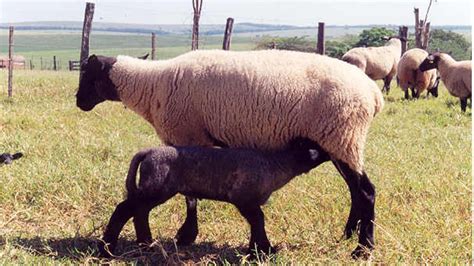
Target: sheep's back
pixel 264 99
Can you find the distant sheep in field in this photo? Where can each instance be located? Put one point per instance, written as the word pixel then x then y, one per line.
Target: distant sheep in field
pixel 244 177
pixel 409 76
pixel 257 99
pixel 377 62
pixel 456 76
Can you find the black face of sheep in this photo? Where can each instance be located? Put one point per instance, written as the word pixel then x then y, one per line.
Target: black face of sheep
pixel 7 158
pixel 95 85
pixel 430 62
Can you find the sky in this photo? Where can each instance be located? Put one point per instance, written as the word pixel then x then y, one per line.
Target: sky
pixel 287 12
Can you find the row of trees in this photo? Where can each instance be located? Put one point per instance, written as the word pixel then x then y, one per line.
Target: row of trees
pixel 440 40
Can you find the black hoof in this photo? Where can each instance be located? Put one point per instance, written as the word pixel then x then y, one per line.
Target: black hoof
pixel 361 253
pixel 186 237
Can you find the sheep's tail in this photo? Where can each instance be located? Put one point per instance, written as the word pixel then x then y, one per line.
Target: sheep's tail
pixel 131 182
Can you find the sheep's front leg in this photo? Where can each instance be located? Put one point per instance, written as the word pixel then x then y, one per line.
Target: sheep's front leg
pixel 258 237
pixel 189 230
pixel 123 212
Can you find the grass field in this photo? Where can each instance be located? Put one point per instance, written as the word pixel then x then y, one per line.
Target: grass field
pixel 56 200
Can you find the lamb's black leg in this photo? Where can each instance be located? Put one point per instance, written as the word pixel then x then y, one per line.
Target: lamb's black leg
pixel 141 223
pixel 123 212
pixel 189 230
pixel 407 95
pixel 364 192
pixel 354 215
pixel 463 104
pixel 258 237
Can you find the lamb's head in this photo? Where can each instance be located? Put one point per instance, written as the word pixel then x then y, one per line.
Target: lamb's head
pixel 95 85
pixel 307 153
pixel 430 62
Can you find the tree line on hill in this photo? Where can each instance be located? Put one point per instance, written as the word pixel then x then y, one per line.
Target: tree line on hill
pixel 440 40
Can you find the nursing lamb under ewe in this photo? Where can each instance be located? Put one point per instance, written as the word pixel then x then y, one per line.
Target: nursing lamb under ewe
pixel 256 99
pixel 244 177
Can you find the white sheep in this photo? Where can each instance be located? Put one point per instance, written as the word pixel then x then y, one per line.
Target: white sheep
pixel 256 99
pixel 456 76
pixel 377 62
pixel 409 76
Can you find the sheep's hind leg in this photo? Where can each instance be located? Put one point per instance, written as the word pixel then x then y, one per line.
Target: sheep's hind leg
pixel 463 104
pixel 189 230
pixel 123 212
pixel 363 195
pixel 141 221
pixel 258 237
pixel 386 84
pixel 354 215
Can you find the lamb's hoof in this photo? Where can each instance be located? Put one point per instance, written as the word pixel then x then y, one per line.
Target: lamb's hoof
pixel 186 237
pixel 361 253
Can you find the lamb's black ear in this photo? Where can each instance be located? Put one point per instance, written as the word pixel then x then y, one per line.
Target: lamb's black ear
pixel 144 57
pixel 17 155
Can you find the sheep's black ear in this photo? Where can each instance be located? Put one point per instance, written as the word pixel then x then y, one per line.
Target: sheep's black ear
pixel 144 57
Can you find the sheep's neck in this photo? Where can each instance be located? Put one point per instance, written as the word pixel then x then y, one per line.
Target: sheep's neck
pixel 444 64
pixel 136 88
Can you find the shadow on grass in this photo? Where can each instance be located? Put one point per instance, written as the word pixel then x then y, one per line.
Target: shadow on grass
pixel 81 249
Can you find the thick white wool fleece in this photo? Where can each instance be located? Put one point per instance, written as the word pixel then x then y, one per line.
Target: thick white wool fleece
pixel 376 62
pixel 257 99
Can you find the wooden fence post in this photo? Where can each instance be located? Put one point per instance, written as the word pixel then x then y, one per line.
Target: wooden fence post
pixel 31 64
pixel 197 6
pixel 426 36
pixel 403 33
pixel 153 45
pixel 320 45
pixel 54 63
pixel 10 61
pixel 86 30
pixel 228 33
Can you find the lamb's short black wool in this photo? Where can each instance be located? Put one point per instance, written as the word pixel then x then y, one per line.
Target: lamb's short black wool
pixel 244 177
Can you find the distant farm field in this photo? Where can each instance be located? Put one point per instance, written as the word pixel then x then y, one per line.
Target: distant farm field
pixel 39 47
pixel 56 200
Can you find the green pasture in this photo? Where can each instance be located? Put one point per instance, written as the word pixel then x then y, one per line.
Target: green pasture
pixel 56 200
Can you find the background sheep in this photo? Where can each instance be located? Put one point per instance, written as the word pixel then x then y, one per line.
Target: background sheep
pixel 456 76
pixel 243 177
pixel 409 76
pixel 258 99
pixel 377 62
